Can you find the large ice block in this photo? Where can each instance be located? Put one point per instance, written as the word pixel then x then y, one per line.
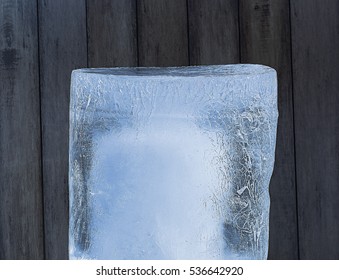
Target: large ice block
pixel 171 163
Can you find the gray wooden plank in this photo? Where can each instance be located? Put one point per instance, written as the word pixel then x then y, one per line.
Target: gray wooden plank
pixel 213 31
pixel 315 41
pixel 112 36
pixel 265 39
pixel 112 42
pixel 21 211
pixel 63 47
pixel 162 33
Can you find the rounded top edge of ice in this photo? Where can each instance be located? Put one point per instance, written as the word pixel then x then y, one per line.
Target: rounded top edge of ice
pixel 182 71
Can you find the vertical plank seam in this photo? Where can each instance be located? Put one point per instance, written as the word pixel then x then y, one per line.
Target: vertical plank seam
pixel 188 33
pixel 41 134
pixel 137 31
pixel 87 38
pixel 239 32
pixel 294 133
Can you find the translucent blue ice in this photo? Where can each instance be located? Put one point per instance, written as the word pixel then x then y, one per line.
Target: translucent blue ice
pixel 171 163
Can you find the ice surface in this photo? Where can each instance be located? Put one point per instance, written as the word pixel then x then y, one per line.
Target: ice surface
pixel 171 163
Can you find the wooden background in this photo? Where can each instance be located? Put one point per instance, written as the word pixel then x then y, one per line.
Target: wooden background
pixel 41 41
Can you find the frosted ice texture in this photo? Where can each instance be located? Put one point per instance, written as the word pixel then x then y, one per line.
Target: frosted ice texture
pixel 171 163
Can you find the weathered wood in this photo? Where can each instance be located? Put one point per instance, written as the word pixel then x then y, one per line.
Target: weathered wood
pixel 265 39
pixel 63 47
pixel 213 31
pixel 162 32
pixel 21 213
pixel 170 32
pixel 315 41
pixel 112 36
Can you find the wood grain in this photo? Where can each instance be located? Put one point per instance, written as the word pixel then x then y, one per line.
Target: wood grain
pixel 213 32
pixel 167 33
pixel 63 47
pixel 162 33
pixel 21 211
pixel 265 39
pixel 112 34
pixel 315 38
